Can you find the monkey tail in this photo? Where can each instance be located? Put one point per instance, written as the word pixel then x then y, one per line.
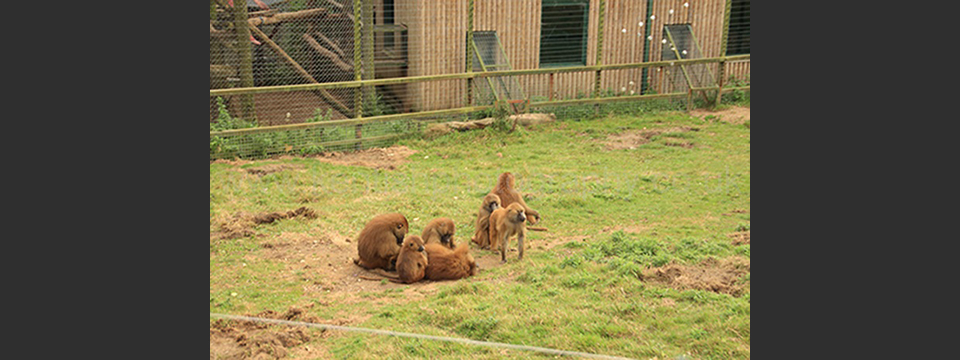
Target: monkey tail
pixel 537 228
pixel 372 278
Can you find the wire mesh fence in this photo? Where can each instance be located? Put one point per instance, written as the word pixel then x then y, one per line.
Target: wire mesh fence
pixel 407 47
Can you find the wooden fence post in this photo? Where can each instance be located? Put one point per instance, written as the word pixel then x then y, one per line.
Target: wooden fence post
pixel 721 70
pixel 247 110
pixel 357 67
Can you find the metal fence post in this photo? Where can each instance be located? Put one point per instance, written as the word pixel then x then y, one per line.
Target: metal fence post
pixel 596 82
pixel 470 51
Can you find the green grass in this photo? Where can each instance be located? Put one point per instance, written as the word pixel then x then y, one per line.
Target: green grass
pixel 582 295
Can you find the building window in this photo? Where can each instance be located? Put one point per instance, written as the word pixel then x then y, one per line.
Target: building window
pixel 738 37
pixel 563 33
pixel 388 19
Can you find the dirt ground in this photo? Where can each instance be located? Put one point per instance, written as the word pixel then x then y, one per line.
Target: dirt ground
pixel 252 340
pixel 720 276
pixel 270 168
pixel 388 158
pixel 632 139
pixel 733 115
pixel 740 238
pixel 378 158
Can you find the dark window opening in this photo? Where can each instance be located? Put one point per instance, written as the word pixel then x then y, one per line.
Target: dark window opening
pixel 563 33
pixel 388 37
pixel 738 37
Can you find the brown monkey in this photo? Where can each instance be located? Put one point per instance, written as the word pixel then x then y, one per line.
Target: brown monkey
pixel 379 243
pixel 412 261
pixel 504 223
pixel 440 230
pixel 490 203
pixel 508 194
pixel 446 264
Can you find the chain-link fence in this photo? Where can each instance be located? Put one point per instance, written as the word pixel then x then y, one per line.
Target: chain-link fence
pixel 319 75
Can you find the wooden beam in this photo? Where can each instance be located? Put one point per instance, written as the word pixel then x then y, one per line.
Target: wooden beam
pixel 345 122
pixel 329 54
pixel 242 33
pixel 336 48
pixel 287 16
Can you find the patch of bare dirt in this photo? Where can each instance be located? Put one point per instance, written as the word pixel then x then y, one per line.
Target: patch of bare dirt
pixel 235 339
pixel 634 138
pixel 733 115
pixel 679 142
pixel 271 168
pixel 378 158
pixel 630 229
pixel 266 218
pixel 234 162
pixel 322 260
pixel 740 238
pixel 720 276
pixel 242 224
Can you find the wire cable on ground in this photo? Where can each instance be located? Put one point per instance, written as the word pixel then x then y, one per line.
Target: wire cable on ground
pixel 419 336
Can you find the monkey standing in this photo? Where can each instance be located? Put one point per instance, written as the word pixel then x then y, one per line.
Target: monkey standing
pixel 379 242
pixel 440 231
pixel 446 264
pixel 504 223
pixel 508 194
pixel 490 203
pixel 412 261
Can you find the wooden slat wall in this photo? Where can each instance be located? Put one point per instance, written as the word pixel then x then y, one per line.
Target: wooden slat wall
pixel 437 36
pixel 623 43
pixel 436 45
pixel 518 25
pixel 408 13
pixel 738 69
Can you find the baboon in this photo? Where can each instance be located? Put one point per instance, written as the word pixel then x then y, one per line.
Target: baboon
pixel 440 230
pixel 508 194
pixel 446 264
pixel 490 203
pixel 412 261
pixel 379 243
pixel 504 223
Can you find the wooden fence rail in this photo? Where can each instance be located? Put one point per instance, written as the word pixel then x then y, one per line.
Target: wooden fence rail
pixel 461 110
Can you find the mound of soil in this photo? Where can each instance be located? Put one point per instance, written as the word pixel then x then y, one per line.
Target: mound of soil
pixel 711 275
pixel 378 158
pixel 733 115
pixel 740 238
pixel 634 138
pixel 232 339
pixel 241 225
pixel 266 218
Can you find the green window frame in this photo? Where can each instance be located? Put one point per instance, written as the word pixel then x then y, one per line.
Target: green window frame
pixel 564 26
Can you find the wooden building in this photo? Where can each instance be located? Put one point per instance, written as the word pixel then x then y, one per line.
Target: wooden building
pixel 437 43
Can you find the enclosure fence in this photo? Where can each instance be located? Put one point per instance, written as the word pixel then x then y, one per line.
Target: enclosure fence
pixel 309 76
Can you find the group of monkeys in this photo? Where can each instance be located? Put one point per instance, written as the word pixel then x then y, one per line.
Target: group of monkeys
pixel 383 244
